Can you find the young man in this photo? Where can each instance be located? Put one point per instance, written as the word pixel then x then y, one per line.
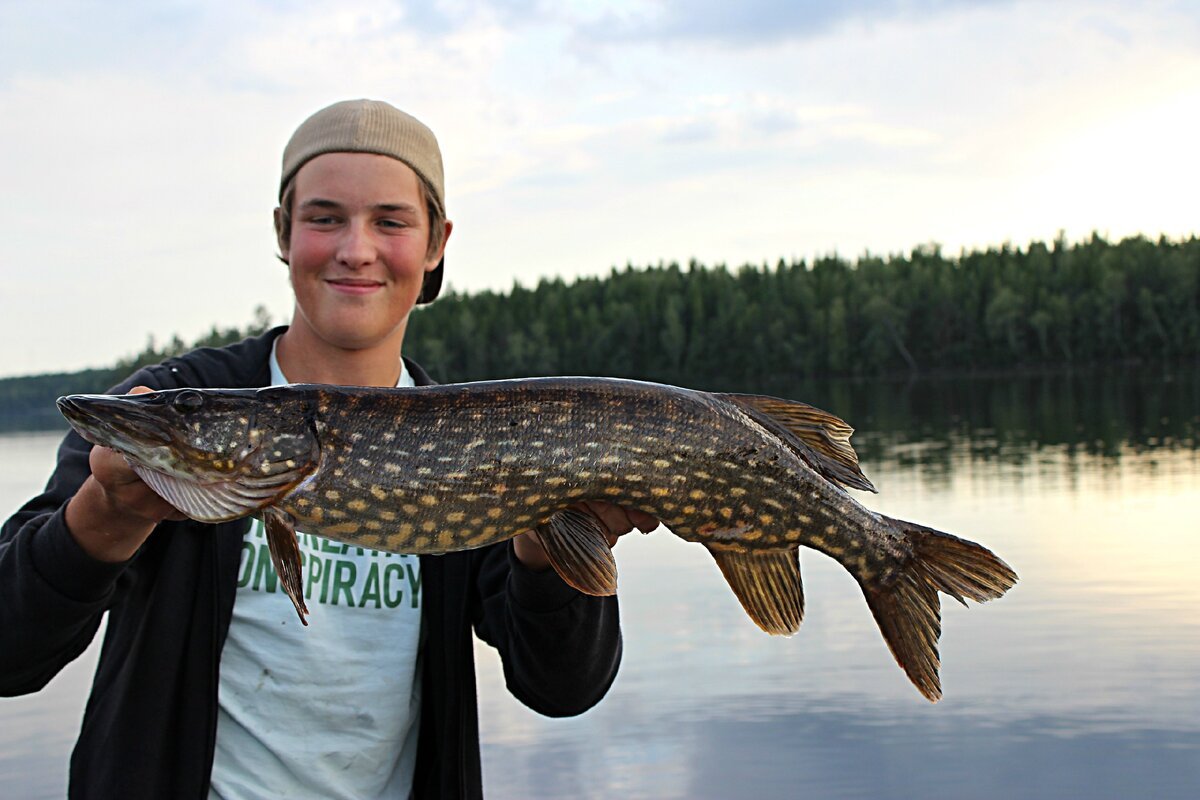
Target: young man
pixel 207 686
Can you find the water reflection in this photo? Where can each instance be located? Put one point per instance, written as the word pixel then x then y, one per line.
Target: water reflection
pixel 1083 682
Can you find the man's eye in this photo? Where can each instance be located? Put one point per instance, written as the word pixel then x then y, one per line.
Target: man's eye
pixel 393 223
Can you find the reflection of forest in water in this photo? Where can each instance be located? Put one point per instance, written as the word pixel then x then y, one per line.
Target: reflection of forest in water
pixel 1112 415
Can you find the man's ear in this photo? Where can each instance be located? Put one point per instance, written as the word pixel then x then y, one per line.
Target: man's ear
pixel 279 237
pixel 431 264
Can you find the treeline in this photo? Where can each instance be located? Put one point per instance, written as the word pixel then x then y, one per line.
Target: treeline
pixel 758 328
pixel 1137 300
pixel 27 403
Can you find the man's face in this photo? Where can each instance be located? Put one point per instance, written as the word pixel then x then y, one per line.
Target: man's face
pixel 357 253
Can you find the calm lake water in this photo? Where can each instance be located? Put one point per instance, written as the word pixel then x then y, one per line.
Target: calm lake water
pixel 1083 682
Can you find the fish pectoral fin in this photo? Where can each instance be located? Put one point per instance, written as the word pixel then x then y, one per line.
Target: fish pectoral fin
pixel 820 438
pixel 767 582
pixel 285 555
pixel 577 545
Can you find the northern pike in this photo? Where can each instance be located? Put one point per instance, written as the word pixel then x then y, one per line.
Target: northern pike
pixel 458 466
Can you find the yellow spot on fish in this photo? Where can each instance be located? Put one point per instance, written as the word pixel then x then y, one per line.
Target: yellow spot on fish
pixel 406 529
pixel 555 481
pixel 494 513
pixel 387 516
pixel 427 447
pixel 392 468
pixel 428 500
pixel 455 516
pixel 409 508
pixel 429 526
pixel 737 491
pixel 333 494
pixel 689 509
pixel 662 463
pixel 342 528
pixel 766 519
pixel 357 505
pixel 612 490
pixel 378 493
pixel 696 494
pixel 805 519
pixel 702 475
pixel 830 529
pixel 373 525
pixel 533 499
pixel 727 512
pixel 659 491
pixel 489 530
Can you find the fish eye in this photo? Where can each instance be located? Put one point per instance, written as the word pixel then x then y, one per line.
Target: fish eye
pixel 187 401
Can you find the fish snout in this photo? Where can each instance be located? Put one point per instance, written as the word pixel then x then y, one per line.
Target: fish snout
pixel 112 421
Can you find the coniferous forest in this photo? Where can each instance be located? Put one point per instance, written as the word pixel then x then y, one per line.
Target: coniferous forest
pixel 1003 308
pixel 1045 306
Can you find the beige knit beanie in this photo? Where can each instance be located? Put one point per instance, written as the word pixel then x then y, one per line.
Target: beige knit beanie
pixel 370 126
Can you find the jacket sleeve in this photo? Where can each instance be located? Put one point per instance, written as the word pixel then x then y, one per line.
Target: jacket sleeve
pixel 560 648
pixel 52 594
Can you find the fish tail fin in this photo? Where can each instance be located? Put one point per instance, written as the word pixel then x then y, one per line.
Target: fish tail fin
pixel 907 608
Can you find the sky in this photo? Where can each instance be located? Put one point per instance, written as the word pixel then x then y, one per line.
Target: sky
pixel 141 140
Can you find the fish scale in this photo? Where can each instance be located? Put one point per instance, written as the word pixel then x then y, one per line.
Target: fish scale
pixel 437 469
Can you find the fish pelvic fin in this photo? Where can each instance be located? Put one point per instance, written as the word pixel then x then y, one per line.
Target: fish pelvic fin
pixel 767 583
pixel 577 545
pixel 285 555
pixel 907 607
pixel 818 437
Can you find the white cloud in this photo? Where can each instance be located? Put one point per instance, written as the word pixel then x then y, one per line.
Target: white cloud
pixel 148 142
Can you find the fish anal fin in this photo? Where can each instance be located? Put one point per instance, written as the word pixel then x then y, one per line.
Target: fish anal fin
pixel 907 607
pixel 820 438
pixel 767 583
pixel 285 555
pixel 577 545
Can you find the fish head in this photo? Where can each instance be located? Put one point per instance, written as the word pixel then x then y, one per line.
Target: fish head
pixel 215 455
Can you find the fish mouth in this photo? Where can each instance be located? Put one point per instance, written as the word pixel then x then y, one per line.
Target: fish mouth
pixel 115 421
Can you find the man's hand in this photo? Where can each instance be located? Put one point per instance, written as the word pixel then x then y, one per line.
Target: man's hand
pixel 114 512
pixel 619 521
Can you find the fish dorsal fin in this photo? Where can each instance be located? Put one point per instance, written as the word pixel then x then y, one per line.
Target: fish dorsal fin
pixel 767 582
pixel 577 545
pixel 819 437
pixel 285 555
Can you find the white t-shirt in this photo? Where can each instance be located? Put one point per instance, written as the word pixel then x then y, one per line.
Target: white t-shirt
pixel 331 710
